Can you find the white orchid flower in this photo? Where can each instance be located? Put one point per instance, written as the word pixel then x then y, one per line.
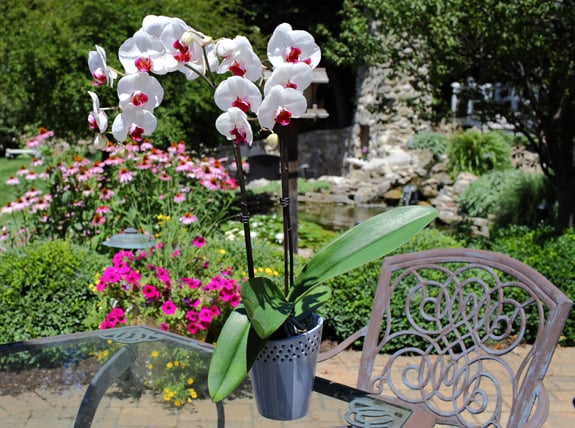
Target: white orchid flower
pixel 143 52
pixel 289 75
pixel 239 58
pixel 238 92
pixel 98 119
pixel 288 45
pixel 133 122
pixel 140 90
pixel 281 105
pixel 99 68
pixel 234 125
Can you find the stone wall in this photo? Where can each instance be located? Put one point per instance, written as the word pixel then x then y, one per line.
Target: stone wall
pixel 383 119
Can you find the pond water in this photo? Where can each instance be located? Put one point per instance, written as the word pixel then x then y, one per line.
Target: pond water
pixel 337 217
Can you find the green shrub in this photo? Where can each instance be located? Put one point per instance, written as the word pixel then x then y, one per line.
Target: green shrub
pixel 478 152
pixel 521 200
pixel 548 252
pixel 483 196
pixel 44 289
pixel 435 142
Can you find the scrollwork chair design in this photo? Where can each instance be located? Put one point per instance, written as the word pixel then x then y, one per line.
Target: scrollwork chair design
pixel 466 311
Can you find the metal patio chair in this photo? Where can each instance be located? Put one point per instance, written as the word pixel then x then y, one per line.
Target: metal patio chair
pixel 443 325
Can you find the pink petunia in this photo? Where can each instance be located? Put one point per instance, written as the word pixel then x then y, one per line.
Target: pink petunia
pixel 169 308
pixel 199 241
pixel 150 292
pixel 163 275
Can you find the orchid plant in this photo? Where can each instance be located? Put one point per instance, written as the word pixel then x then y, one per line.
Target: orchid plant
pixel 269 95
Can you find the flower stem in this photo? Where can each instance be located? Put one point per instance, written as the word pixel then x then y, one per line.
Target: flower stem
pixel 286 207
pixel 245 215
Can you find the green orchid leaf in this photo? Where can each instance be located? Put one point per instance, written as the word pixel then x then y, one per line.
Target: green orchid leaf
pixel 236 350
pixel 265 305
pixel 363 243
pixel 311 301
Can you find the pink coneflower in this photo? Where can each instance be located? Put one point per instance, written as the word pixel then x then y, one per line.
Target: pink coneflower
pixel 12 181
pixel 98 220
pixel 169 308
pixel 188 218
pixel 124 175
pixel 36 162
pixel 145 146
pixel 179 198
pixel 106 194
pixel 164 176
pixel 199 241
pixel 102 209
pixel 22 171
pixel 31 176
pixel 175 253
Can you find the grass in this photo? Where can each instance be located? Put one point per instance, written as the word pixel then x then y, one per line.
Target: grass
pixel 303 186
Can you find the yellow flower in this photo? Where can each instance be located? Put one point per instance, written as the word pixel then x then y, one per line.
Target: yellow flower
pixel 169 364
pixel 222 251
pixel 190 381
pixel 154 354
pixel 150 366
pixel 177 403
pixel 193 393
pixel 268 271
pixel 176 363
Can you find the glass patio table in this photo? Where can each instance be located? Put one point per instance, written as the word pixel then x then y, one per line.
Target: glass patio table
pixel 144 377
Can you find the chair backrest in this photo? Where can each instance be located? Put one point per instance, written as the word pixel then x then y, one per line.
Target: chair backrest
pixel 455 316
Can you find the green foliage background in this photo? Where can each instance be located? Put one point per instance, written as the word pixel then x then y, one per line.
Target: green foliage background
pixel 44 49
pixel 44 289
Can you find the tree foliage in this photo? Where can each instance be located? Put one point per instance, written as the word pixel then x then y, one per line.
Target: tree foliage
pixel 528 45
pixel 44 47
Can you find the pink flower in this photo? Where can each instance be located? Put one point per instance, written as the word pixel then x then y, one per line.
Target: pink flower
pixel 169 308
pixel 124 175
pixel 12 181
pixel 188 218
pixel 150 292
pixel 163 275
pixel 179 197
pixel 199 241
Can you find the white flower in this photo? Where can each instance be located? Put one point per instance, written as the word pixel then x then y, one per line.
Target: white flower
pixel 99 69
pixel 238 92
pixel 281 105
pixel 234 125
pixel 97 118
pixel 133 122
pixel 140 90
pixel 287 45
pixel 143 52
pixel 289 75
pixel 239 58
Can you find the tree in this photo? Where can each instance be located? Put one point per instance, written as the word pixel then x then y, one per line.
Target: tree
pixel 44 47
pixel 528 45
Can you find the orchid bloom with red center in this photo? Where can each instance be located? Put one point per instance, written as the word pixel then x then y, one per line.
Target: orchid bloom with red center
pixel 297 76
pixel 140 90
pixel 238 92
pixel 98 119
pixel 280 105
pixel 239 58
pixel 99 69
pixel 234 125
pixel 135 122
pixel 288 45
